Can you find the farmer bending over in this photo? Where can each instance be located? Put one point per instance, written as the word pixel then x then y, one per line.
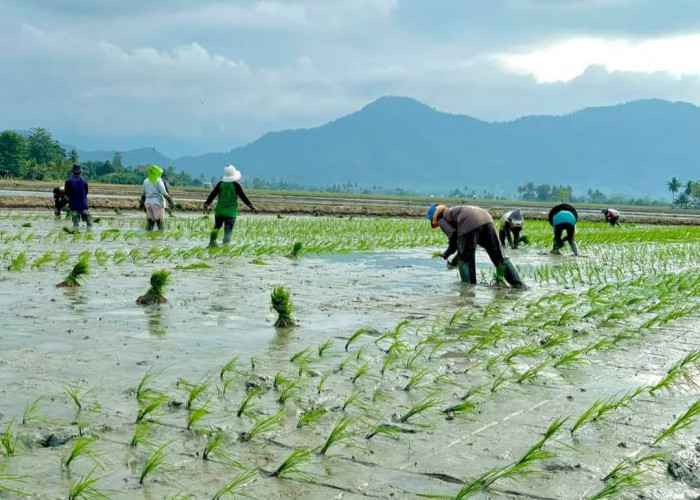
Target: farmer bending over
pixel 563 218
pixel 228 190
pixel 466 227
pixel 60 201
pixel 612 216
pixel 77 190
pixel 153 194
pixel 511 225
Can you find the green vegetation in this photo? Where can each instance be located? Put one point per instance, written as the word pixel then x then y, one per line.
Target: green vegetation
pixel 282 305
pixel 154 295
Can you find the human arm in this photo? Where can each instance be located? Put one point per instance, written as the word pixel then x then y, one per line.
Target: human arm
pixel 212 196
pixel 164 192
pixel 509 236
pixel 243 197
pixel 451 247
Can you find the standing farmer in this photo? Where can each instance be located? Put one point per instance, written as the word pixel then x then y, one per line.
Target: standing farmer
pixel 612 216
pixel 511 223
pixel 76 189
pixel 153 194
pixel 228 190
pixel 563 217
pixel 466 227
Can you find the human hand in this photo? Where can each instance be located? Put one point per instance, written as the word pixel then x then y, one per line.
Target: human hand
pixel 255 211
pixel 205 208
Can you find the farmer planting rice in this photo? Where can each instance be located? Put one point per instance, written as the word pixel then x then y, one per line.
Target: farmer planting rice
pixel 466 227
pixel 77 190
pixel 60 201
pixel 510 228
pixel 563 217
pixel 612 216
pixel 228 190
pixel 153 196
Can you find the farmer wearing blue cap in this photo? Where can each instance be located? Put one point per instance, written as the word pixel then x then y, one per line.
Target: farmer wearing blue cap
pixel 466 227
pixel 562 218
pixel 76 189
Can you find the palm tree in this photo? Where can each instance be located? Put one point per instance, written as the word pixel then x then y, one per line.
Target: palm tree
pixel 688 188
pixel 674 185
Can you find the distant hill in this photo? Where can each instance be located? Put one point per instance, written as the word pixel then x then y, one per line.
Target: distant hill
pixel 130 158
pixel 631 148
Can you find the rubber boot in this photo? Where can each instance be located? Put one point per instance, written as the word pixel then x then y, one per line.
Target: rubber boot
pixel 212 238
pixel 161 225
pixel 149 224
pixel 574 248
pixel 227 234
pixel 464 273
pixel 88 221
pixel 75 217
pixel 512 276
pixel 556 249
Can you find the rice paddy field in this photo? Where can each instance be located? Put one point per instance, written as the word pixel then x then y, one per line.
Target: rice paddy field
pixel 384 377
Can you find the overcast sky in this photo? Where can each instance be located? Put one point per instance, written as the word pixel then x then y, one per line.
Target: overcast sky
pixel 189 76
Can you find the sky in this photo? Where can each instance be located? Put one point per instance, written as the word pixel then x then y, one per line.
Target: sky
pixel 194 76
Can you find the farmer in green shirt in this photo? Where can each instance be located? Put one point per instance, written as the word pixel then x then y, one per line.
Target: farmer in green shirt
pixel 228 190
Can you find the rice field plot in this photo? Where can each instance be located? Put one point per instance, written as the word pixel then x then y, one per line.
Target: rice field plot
pixel 389 379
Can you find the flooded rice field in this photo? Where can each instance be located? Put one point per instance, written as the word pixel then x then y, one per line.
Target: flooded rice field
pixel 397 382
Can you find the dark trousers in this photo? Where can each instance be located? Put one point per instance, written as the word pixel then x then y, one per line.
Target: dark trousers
pixel 614 221
pixel 511 235
pixel 485 237
pixel 558 232
pixel 228 223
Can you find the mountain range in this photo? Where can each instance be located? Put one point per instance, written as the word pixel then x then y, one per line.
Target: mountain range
pixel 631 148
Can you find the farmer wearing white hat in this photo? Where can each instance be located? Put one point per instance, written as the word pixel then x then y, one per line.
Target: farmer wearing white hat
pixel 228 190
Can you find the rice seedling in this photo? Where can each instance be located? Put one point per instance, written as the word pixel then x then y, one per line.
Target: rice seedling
pixel 681 422
pixel 419 409
pixel 18 263
pixel 411 361
pixel 5 480
pixel 214 442
pixel 322 382
pixel 304 353
pixel 360 352
pixel 390 430
pixel 197 414
pixel 604 406
pixel 324 347
pixel 499 381
pixel 140 435
pixel 391 358
pixel 290 468
pixel 309 416
pixel 239 483
pixel 77 274
pixel 143 392
pixel 296 248
pixel 246 403
pixel 82 446
pixel 101 256
pixel 44 259
pixel 149 410
pixel 282 305
pixel 74 392
pixel 289 390
pixel 228 367
pixel 62 257
pixel 416 379
pixel 627 464
pixel 353 399
pixel 154 295
pixel 154 460
pixel 194 392
pixel 355 336
pixel 264 426
pixel 532 372
pixel 253 362
pixel 621 483
pixel 280 380
pixel 85 487
pixel 9 440
pixel 570 358
pixel 463 407
pixel 226 384
pixel 194 267
pixel 340 433
pixel 681 373
pixel 30 413
pixel 361 372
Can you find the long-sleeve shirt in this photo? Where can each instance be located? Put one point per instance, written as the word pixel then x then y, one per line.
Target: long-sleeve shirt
pixel 461 220
pixel 77 190
pixel 239 191
pixel 153 194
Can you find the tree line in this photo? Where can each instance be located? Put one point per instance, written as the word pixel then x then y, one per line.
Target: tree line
pixel 37 156
pixel 689 192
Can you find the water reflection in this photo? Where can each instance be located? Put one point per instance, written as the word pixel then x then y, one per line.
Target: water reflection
pixel 155 321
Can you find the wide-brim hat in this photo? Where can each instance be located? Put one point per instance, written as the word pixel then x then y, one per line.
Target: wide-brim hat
pixel 563 207
pixel 77 169
pixel 231 174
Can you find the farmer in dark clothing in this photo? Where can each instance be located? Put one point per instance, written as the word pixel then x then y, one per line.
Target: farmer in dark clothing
pixel 466 227
pixel 563 217
pixel 228 190
pixel 511 226
pixel 60 201
pixel 77 190
pixel 612 216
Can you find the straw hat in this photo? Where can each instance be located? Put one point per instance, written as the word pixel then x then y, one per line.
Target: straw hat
pixel 230 174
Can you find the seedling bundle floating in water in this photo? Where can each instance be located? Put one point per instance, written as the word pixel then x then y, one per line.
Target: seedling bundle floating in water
pixel 154 295
pixel 77 274
pixel 282 305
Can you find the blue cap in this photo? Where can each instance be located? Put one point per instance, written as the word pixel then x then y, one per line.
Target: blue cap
pixel 431 212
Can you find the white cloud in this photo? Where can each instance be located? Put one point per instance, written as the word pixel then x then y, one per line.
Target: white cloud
pixel 564 60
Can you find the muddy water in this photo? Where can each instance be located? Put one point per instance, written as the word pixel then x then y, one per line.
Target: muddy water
pixel 96 335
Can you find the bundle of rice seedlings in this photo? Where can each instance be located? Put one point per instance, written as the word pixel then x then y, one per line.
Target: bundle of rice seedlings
pixel 295 250
pixel 77 274
pixel 154 295
pixel 282 305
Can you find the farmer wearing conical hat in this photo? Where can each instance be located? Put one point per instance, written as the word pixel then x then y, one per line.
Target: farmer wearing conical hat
pixel 466 227
pixel 612 216
pixel 563 217
pixel 229 191
pixel 511 226
pixel 76 189
pixel 153 196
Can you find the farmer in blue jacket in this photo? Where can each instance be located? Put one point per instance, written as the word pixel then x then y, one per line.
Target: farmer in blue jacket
pixel 76 189
pixel 563 217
